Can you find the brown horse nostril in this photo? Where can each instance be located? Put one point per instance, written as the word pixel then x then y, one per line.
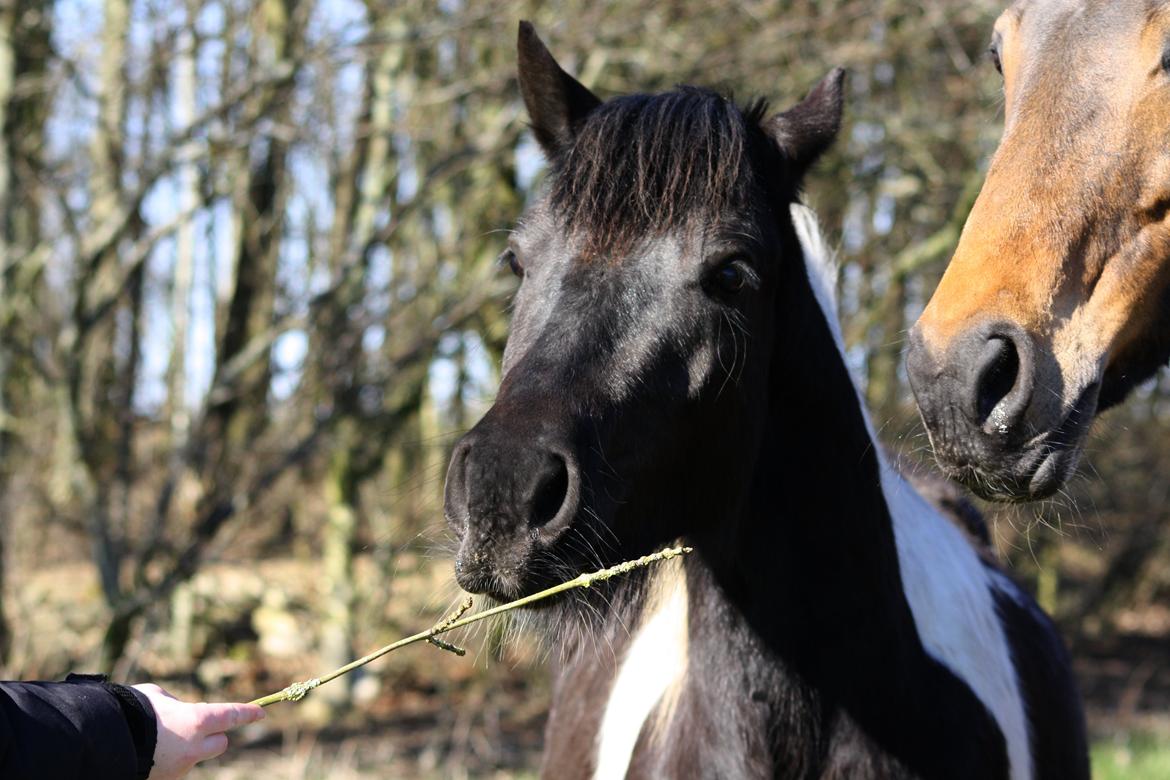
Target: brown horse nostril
pixel 999 367
pixel 978 392
pixel 1001 383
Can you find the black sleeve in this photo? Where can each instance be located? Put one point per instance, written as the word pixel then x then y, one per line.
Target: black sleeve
pixel 84 727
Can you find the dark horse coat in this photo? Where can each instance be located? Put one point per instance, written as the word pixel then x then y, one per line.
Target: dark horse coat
pixel 675 370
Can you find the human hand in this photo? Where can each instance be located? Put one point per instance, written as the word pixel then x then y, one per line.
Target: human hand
pixel 190 733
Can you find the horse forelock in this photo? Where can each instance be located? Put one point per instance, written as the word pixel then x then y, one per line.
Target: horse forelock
pixel 643 165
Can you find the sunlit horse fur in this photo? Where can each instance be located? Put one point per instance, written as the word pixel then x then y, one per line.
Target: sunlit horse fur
pixel 1057 301
pixel 675 370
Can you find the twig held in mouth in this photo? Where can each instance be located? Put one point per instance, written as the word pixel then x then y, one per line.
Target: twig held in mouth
pixel 457 619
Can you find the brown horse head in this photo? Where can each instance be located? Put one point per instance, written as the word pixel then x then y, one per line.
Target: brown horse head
pixel 1057 300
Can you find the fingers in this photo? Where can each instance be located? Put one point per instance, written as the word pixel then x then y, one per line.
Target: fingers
pixel 212 720
pixel 212 747
pixel 220 717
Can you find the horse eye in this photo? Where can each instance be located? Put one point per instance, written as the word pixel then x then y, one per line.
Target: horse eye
pixel 996 60
pixel 508 258
pixel 730 277
pixel 1166 58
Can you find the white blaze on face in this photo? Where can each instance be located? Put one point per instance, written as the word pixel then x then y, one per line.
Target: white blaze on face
pixel 949 590
pixel 651 674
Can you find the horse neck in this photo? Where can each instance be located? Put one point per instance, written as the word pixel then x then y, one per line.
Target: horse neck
pixel 812 570
pixel 795 625
pixel 806 604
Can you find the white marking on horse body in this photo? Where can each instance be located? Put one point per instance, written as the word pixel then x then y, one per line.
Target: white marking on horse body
pixel 650 677
pixel 946 584
pixel 950 594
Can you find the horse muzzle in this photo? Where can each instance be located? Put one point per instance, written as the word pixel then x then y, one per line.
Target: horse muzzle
pixel 512 491
pixel 991 403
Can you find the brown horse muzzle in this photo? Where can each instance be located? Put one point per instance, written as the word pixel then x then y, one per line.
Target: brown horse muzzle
pixel 990 427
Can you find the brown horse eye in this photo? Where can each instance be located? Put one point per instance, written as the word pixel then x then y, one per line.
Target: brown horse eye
pixel 1166 58
pixel 508 258
pixel 993 52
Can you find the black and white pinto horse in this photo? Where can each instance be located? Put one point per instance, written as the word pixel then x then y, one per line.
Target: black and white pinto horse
pixel 675 371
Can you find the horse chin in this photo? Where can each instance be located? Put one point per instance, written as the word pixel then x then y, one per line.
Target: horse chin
pixel 1054 470
pixel 1037 475
pixel 506 567
pixel 505 575
pixel 486 570
pixel 502 585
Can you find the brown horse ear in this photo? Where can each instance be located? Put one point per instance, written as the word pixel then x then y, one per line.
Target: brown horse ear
pixel 809 128
pixel 556 101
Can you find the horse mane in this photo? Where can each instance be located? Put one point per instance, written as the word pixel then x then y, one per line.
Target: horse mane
pixel 643 165
pixel 821 263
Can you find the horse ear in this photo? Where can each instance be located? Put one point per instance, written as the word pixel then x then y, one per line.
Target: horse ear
pixel 809 128
pixel 556 101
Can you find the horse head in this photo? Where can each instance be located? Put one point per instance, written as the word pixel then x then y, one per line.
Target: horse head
pixel 631 393
pixel 1057 300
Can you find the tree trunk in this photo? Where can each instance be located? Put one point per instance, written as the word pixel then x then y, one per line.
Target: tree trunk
pixel 7 309
pixel 360 193
pixel 98 422
pixel 185 101
pixel 24 103
pixel 235 419
pixel 336 616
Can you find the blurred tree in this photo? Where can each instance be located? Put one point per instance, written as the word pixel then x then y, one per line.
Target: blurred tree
pixel 25 28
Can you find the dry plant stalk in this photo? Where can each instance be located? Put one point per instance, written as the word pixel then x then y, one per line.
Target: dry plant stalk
pixel 456 619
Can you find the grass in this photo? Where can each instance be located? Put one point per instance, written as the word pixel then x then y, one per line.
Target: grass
pixel 1134 756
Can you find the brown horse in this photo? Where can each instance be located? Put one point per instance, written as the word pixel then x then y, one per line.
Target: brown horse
pixel 1057 301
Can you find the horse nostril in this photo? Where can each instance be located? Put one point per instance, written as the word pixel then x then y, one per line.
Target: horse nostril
pixel 997 372
pixel 455 497
pixel 550 492
pixel 1002 379
pixel 978 389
